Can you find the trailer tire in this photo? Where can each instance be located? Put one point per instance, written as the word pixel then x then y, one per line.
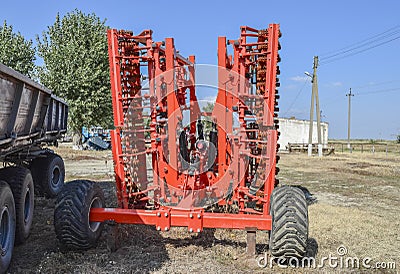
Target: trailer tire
pixel 48 174
pixel 21 183
pixel 71 214
pixel 289 233
pixel 7 225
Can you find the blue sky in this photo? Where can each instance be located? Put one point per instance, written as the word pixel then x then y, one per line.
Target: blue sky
pixel 309 28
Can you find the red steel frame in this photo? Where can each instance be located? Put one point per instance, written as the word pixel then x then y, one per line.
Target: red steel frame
pixel 148 121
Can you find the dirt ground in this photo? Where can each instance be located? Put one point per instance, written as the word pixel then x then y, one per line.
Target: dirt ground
pixel 357 210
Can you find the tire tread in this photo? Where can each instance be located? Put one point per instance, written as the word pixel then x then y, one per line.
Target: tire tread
pixel 71 214
pixel 41 173
pixel 15 177
pixel 289 232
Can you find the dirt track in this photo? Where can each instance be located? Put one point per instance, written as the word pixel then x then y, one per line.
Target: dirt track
pixel 359 201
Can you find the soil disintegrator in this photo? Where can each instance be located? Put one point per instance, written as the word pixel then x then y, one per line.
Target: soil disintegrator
pixel 216 171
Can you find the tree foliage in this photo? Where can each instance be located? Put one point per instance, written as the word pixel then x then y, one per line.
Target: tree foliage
pixel 15 51
pixel 208 107
pixel 74 50
pixel 207 121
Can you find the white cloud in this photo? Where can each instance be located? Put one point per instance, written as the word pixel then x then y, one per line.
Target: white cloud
pixel 299 78
pixel 290 87
pixel 337 84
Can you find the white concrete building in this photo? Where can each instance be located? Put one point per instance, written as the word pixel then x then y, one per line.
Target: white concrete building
pixel 296 131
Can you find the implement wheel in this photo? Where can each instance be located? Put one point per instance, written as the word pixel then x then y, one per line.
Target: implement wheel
pixel 71 214
pixel 48 174
pixel 20 181
pixel 289 233
pixel 7 226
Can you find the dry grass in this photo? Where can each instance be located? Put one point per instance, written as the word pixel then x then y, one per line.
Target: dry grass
pixel 359 180
pixel 86 164
pixel 358 201
pixel 363 233
pixel 358 207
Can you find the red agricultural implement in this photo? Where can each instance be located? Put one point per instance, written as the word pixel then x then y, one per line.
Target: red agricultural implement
pixel 176 165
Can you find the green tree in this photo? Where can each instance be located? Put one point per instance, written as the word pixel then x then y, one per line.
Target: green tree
pixel 208 107
pixel 74 50
pixel 207 121
pixel 15 51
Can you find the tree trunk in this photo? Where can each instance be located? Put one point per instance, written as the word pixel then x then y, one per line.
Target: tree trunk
pixel 77 139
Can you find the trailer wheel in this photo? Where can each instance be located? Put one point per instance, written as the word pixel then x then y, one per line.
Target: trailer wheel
pixel 21 183
pixel 7 225
pixel 289 233
pixel 48 174
pixel 71 214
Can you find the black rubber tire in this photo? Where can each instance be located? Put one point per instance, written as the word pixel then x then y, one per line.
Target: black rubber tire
pixel 21 183
pixel 7 225
pixel 71 214
pixel 48 174
pixel 289 233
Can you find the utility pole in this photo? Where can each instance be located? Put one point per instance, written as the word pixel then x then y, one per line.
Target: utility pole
pixel 314 96
pixel 348 120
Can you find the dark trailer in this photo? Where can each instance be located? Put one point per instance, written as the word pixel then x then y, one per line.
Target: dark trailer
pixel 30 118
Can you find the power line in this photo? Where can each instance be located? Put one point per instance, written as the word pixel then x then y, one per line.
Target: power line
pixel 388 33
pixel 297 96
pixel 354 44
pixel 360 51
pixel 378 91
pixel 363 45
pixel 375 84
pixel 328 99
